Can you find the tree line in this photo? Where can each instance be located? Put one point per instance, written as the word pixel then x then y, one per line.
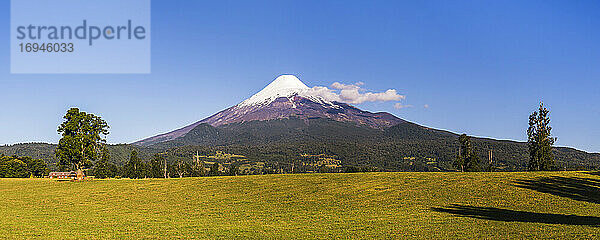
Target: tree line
pixel 22 167
pixel 83 145
pixel 539 142
pixel 157 167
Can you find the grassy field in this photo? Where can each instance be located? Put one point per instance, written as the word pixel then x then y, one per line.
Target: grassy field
pixel 364 205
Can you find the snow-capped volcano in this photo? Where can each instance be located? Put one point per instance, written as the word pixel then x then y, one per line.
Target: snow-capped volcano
pixel 282 86
pixel 285 97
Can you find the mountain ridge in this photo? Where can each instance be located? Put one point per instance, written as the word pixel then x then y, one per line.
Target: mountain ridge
pixel 397 148
pixel 282 142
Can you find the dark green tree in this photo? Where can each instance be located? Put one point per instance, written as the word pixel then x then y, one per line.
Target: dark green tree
pixel 466 160
pixel 197 170
pixel 214 169
pixel 135 167
pixel 157 167
pixel 21 167
pixel 234 170
pixel 540 141
pixel 181 169
pixel 12 167
pixel 83 139
pixel 105 169
pixel 324 169
pixel 197 167
pixel 36 167
pixel 351 169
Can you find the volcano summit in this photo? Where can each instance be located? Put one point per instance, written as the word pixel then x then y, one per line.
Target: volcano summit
pixel 286 97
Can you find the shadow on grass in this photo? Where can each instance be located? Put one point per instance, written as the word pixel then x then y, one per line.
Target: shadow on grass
pixel 497 214
pixel 581 189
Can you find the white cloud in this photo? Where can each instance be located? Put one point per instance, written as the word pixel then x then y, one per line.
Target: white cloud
pixel 354 94
pixel 341 86
pixel 400 106
pixel 326 93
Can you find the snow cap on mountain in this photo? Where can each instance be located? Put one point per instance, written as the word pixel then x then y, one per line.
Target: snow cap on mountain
pixel 282 86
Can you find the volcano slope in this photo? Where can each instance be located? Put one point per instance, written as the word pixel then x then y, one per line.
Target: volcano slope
pixel 403 147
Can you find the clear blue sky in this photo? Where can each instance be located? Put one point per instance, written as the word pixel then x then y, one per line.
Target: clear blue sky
pixel 481 66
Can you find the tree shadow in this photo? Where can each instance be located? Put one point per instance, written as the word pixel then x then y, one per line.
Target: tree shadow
pixel 497 214
pixel 581 189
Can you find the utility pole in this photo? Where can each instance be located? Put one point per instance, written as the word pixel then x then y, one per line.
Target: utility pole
pixel 490 157
pixel 198 165
pixel 197 160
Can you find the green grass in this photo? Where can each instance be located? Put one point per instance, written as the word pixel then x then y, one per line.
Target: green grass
pixel 365 205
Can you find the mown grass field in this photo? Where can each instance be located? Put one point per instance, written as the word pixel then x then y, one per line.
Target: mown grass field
pixel 362 205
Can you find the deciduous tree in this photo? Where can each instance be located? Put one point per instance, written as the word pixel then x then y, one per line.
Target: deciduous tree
pixel 83 139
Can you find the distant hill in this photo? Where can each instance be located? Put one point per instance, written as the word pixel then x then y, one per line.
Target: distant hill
pixel 119 153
